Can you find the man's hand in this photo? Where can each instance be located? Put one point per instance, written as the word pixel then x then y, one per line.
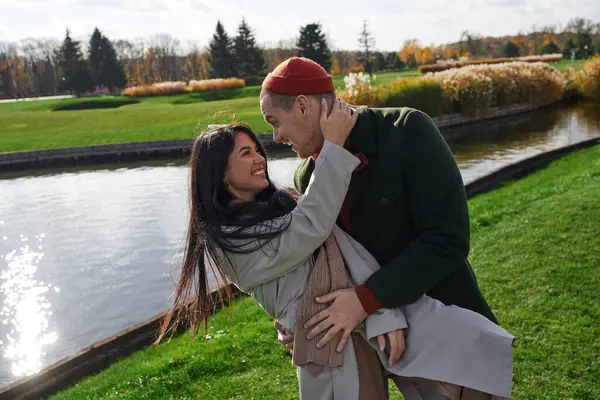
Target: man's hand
pixel 344 314
pixel 284 338
pixel 397 345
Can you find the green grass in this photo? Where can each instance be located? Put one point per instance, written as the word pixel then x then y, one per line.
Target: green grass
pixel 380 77
pixel 567 63
pixel 536 252
pixel 34 125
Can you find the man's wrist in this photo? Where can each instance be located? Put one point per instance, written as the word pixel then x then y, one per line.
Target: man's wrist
pixel 367 299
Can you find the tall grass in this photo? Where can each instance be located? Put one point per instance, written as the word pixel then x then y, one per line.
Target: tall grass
pixel 216 84
pixel 444 65
pixel 156 89
pixel 469 90
pixel 475 88
pixel 169 88
pixel 587 80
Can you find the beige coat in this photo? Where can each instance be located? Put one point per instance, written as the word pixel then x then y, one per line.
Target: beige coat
pixel 444 343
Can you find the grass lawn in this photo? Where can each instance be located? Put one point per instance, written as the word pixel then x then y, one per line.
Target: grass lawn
pixel 567 63
pixel 536 252
pixel 35 125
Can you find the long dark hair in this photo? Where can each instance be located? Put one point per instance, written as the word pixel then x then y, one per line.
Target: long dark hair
pixel 217 220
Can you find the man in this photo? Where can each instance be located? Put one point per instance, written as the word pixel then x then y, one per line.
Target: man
pixel 406 203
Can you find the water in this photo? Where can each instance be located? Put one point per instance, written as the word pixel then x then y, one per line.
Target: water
pixel 86 253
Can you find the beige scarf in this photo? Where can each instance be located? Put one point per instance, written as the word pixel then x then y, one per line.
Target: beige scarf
pixel 329 274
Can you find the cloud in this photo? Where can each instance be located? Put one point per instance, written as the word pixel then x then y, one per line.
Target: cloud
pixel 123 5
pixel 391 23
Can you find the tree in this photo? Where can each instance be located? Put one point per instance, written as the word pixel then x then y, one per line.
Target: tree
pixel 550 48
pixel 335 66
pixel 366 42
pixel 76 75
pixel 104 65
pixel 472 41
pixel 581 29
pixel 48 78
pixel 412 61
pixel 249 58
pixel 394 62
pixel 312 44
pixel 221 54
pixel 511 49
pixel 411 52
pixel 569 49
pixel 379 61
pixel 427 56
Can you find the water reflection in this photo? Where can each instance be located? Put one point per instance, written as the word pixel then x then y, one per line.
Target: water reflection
pixel 25 309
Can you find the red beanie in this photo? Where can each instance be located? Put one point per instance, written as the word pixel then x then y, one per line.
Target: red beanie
pixel 298 75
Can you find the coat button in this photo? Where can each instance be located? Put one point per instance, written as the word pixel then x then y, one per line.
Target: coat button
pixel 383 200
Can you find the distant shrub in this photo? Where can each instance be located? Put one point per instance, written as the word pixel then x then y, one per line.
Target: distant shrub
pixel 216 95
pixel 216 84
pixel 423 94
pixel 93 103
pixel 359 90
pixel 254 80
pixel 450 64
pixel 168 88
pixel 587 79
pixel 156 89
pixel 469 90
pixel 475 88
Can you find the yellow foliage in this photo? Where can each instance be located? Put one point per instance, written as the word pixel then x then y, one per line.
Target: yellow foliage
pixel 335 66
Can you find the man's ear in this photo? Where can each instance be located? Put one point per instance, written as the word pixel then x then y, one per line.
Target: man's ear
pixel 303 104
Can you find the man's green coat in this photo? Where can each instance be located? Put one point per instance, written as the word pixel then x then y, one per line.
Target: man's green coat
pixel 408 208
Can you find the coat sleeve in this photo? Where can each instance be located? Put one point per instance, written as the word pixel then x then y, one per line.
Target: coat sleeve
pixel 438 210
pixel 311 221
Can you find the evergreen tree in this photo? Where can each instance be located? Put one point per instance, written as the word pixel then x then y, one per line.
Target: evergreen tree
pixel 550 48
pixel 221 54
pixel 394 62
pixel 511 49
pixel 249 59
pixel 76 75
pixel 584 45
pixel 48 78
pixel 569 48
pixel 412 61
pixel 105 68
pixel 367 42
pixel 379 61
pixel 312 44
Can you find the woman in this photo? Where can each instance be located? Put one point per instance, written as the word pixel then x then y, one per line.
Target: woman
pixel 263 240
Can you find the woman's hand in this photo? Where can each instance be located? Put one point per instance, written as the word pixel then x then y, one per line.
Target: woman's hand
pixel 283 337
pixel 397 345
pixel 337 126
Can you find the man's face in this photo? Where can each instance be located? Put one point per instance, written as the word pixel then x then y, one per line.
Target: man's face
pixel 298 127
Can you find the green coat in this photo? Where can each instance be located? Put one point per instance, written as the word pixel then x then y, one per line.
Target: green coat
pixel 408 208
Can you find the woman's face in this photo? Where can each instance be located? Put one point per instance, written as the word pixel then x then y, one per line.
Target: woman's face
pixel 245 175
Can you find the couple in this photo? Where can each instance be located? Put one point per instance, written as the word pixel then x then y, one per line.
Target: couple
pixel 366 272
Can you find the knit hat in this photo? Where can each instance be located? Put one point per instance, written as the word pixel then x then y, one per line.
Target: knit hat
pixel 298 75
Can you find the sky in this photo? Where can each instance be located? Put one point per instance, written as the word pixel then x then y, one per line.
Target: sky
pixel 390 21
